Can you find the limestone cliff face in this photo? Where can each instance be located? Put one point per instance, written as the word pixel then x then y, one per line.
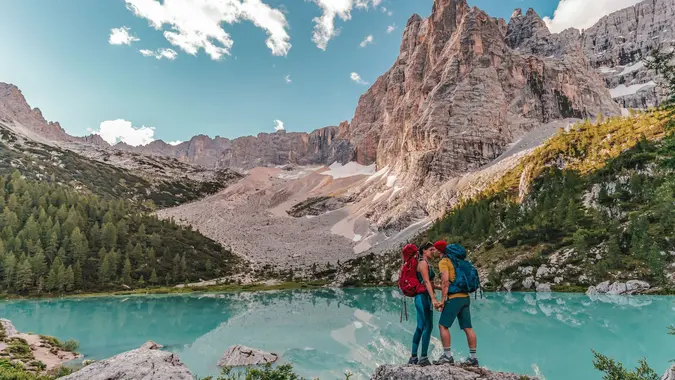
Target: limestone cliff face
pixel 616 44
pixel 14 107
pixel 465 85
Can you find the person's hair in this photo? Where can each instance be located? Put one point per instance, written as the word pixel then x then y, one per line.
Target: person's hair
pixel 425 246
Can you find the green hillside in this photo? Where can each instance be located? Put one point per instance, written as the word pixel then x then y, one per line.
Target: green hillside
pixel 54 239
pixel 41 162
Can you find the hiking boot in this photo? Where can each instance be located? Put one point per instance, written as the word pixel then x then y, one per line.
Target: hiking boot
pixel 444 359
pixel 470 362
pixel 413 360
pixel 423 362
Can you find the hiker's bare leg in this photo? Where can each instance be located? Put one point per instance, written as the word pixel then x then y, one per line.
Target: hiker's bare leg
pixel 470 338
pixel 445 336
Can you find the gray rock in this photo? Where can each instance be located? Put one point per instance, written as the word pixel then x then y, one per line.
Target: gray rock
pixel 617 288
pixel 592 291
pixel 603 287
pixel 670 374
pixel 528 282
pixel 10 330
pixel 636 286
pixel 543 271
pixel 391 372
pixel 238 356
pixel 508 285
pixel 544 288
pixel 150 345
pixel 138 364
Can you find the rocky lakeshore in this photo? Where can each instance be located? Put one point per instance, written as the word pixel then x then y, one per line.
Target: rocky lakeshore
pixel 36 353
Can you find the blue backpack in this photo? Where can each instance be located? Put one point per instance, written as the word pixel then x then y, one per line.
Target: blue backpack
pixel 466 275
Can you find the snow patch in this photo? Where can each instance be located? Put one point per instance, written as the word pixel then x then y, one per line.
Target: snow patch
pixel 379 173
pixel 634 67
pixel 357 238
pixel 623 90
pixel 337 170
pixel 391 181
pixel 606 70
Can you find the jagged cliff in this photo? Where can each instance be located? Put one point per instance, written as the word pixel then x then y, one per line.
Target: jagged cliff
pixel 465 85
pixel 617 43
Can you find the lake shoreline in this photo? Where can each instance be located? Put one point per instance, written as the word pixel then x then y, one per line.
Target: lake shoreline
pixel 262 287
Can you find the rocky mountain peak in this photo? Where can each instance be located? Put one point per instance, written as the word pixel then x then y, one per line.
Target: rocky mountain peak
pixel 446 16
pixel 522 29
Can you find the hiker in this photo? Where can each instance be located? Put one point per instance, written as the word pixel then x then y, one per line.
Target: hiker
pixel 425 303
pixel 459 278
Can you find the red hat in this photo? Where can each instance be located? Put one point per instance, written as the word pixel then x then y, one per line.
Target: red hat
pixel 410 249
pixel 440 245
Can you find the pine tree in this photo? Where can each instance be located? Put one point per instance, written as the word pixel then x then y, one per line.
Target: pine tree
pixel 176 268
pixel 141 282
pixel 69 279
pixel 8 270
pixel 78 245
pixel 109 235
pixel 24 276
pixel 60 275
pixel 126 271
pixel 137 254
pixel 183 268
pixel 105 271
pixel 77 275
pixel 39 265
pixel 153 278
pixel 51 282
pixel 208 266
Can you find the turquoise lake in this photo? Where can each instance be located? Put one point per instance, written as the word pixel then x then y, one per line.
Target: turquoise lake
pixel 325 333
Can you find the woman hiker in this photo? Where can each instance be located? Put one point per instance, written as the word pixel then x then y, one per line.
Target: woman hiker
pixel 425 303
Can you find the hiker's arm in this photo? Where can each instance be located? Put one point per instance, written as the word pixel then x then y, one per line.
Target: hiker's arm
pixel 424 269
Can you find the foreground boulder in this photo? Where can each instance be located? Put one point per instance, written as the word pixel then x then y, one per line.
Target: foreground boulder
pixel 138 364
pixel 8 327
pixel 239 356
pixel 447 372
pixel 670 374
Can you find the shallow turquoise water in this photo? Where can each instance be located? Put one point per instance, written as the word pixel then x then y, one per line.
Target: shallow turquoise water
pixel 327 332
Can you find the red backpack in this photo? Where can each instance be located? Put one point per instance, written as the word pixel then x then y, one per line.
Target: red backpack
pixel 408 282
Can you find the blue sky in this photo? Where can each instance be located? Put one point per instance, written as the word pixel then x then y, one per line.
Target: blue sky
pixel 59 54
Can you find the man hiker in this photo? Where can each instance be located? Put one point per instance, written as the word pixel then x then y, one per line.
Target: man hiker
pixel 457 302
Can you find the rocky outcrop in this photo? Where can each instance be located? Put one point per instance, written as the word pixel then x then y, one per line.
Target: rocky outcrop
pixel 619 288
pixel 391 372
pixel 616 44
pixel 240 356
pixel 36 353
pixel 13 107
pixel 8 328
pixel 669 374
pixel 138 364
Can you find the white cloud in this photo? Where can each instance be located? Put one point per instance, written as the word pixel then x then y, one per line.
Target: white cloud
pixel 279 125
pixel 174 143
pixel 366 41
pixel 357 78
pixel 121 36
pixel 114 131
pixel 324 28
pixel 287 78
pixel 391 28
pixel 169 54
pixel 582 14
pixel 196 24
